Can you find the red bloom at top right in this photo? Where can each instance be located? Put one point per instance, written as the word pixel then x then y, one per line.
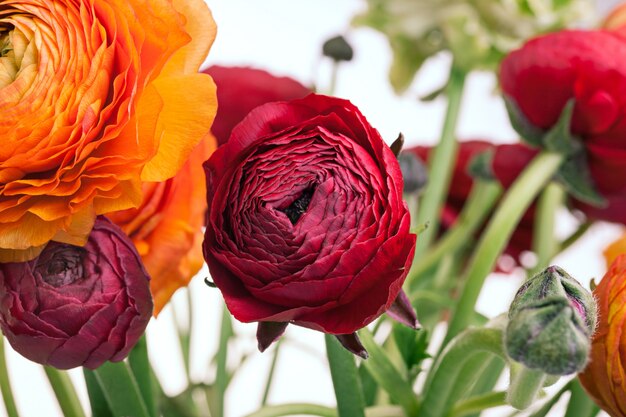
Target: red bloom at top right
pixel 587 68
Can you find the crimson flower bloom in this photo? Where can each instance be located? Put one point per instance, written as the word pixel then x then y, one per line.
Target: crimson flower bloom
pixel 587 67
pixel 306 221
pixel 507 163
pixel 241 89
pixel 77 306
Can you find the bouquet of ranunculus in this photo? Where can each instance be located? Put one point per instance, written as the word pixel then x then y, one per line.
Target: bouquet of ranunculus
pixel 128 166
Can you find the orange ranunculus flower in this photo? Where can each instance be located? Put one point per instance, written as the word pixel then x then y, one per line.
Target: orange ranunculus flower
pixel 96 96
pixel 616 20
pixel 604 376
pixel 614 250
pixel 167 227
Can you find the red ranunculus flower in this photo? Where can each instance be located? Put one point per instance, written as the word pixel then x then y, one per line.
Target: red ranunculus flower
pixel 241 89
pixel 306 219
pixel 588 67
pixel 507 163
pixel 77 306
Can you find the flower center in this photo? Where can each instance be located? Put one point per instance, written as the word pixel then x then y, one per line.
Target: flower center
pixel 296 209
pixel 62 266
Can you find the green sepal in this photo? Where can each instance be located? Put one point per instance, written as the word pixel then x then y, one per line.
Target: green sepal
pixel 481 166
pixel 560 139
pixel 575 177
pixel 529 132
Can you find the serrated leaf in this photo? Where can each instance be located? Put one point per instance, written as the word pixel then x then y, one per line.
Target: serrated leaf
pixel 411 344
pixel 529 132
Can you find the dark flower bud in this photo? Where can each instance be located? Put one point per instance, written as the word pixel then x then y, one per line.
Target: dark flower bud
pixel 551 321
pixel 77 306
pixel 414 172
pixel 338 49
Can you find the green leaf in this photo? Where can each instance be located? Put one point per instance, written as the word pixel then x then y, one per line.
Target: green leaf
pixel 530 133
pixel 120 390
pixel 345 377
pixel 369 385
pixel 99 405
pixel 412 345
pixel 575 177
pixel 388 377
pixel 5 383
pixel 140 365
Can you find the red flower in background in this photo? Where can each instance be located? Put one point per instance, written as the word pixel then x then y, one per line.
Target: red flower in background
pixel 240 89
pixel 77 306
pixel 508 162
pixel 590 68
pixel 306 220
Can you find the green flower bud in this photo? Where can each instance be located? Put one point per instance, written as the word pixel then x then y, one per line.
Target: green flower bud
pixel 338 49
pixel 551 321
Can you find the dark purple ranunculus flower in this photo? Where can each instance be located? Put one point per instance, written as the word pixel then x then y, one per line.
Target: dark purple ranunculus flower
pixel 77 306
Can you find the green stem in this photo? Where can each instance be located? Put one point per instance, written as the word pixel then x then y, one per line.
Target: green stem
pixel 97 402
pixel 65 392
pixel 547 406
pixel 525 386
pixel 460 350
pixel 573 238
pixel 294 409
pixel 345 378
pixel 120 390
pixel 5 383
pixel 140 365
pixel 482 198
pixel 183 338
pixel 544 242
pixel 270 376
pixel 387 376
pixel 478 403
pixel 440 165
pixel 221 375
pixel 334 75
pixel 500 228
pixel 580 405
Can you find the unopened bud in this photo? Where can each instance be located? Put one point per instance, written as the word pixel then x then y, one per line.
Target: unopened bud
pixel 414 172
pixel 338 49
pixel 551 321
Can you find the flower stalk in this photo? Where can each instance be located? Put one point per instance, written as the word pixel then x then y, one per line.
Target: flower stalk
pixel 5 384
pixel 346 380
pixel 500 228
pixel 65 392
pixel 525 386
pixel 545 244
pixel 441 164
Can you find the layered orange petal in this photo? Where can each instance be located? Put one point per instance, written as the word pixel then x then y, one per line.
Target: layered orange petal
pixel 87 108
pixel 167 227
pixel 605 376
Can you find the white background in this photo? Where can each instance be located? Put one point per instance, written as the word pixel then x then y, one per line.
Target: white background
pixel 285 37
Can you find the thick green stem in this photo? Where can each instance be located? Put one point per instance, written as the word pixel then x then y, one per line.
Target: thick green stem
pixel 5 383
pixel 463 348
pixel 482 198
pixel 478 403
pixel 580 405
pixel 345 377
pixel 120 390
pixel 440 165
pixel 525 386
pixel 65 392
pixel 544 241
pixel 499 230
